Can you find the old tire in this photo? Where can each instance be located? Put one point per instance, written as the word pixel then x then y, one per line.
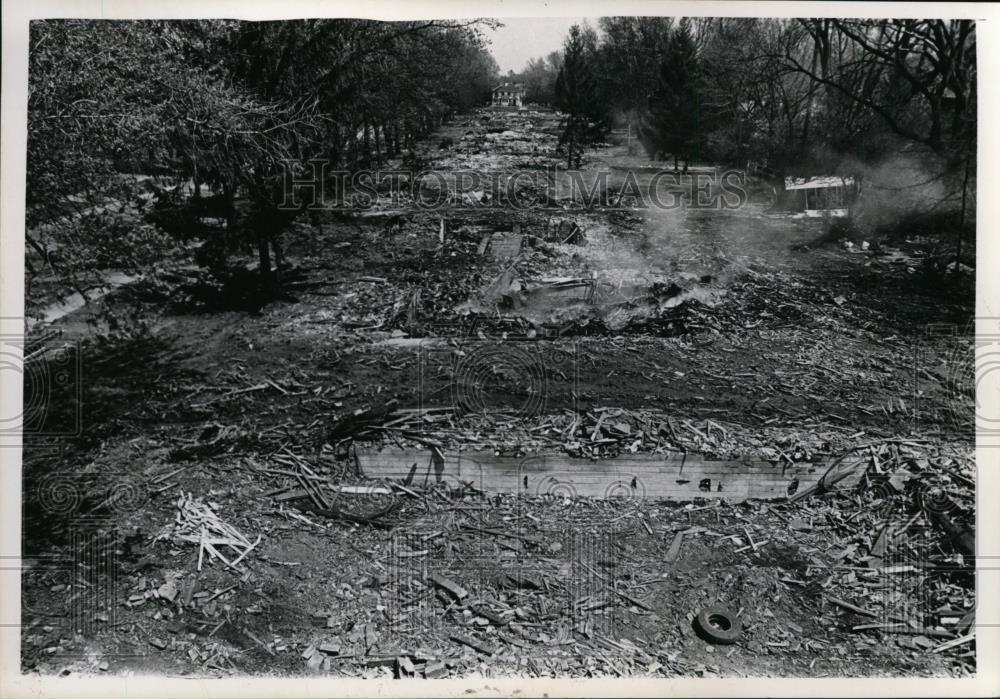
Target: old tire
pixel 718 625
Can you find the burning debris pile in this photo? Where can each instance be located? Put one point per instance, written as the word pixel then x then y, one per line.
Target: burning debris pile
pixel 595 304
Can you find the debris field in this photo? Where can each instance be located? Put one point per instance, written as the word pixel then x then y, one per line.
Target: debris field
pixel 518 440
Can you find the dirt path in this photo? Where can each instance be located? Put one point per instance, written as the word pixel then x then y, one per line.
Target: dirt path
pixel 706 323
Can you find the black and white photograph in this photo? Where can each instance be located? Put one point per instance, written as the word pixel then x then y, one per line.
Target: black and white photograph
pixel 637 346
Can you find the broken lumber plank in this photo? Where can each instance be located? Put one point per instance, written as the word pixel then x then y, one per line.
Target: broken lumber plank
pixel 435 670
pixel 453 588
pixel 675 547
pixel 850 607
pixel 633 600
pixel 902 628
pixel 406 665
pixel 956 642
pixel 362 490
pixel 481 610
pixel 482 646
pixel 498 532
pixel 676 475
pixel 848 469
pixel 966 622
pixel 520 579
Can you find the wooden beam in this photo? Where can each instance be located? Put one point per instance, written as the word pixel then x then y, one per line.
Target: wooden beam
pixel 673 476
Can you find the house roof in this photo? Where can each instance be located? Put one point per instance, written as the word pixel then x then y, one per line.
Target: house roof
pixel 510 87
pixel 817 182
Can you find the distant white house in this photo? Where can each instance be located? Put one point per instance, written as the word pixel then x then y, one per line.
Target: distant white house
pixel 818 196
pixel 508 95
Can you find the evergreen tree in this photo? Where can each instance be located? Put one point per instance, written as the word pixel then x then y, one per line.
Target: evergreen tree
pixel 675 123
pixel 577 94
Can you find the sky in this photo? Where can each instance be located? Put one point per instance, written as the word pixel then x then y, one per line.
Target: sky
pixel 521 39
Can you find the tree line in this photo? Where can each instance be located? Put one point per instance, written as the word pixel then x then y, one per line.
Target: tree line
pixel 806 96
pixel 227 106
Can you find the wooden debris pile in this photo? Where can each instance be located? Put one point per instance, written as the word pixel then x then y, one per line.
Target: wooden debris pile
pixel 197 522
pixel 599 432
pixel 904 570
pixel 473 583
